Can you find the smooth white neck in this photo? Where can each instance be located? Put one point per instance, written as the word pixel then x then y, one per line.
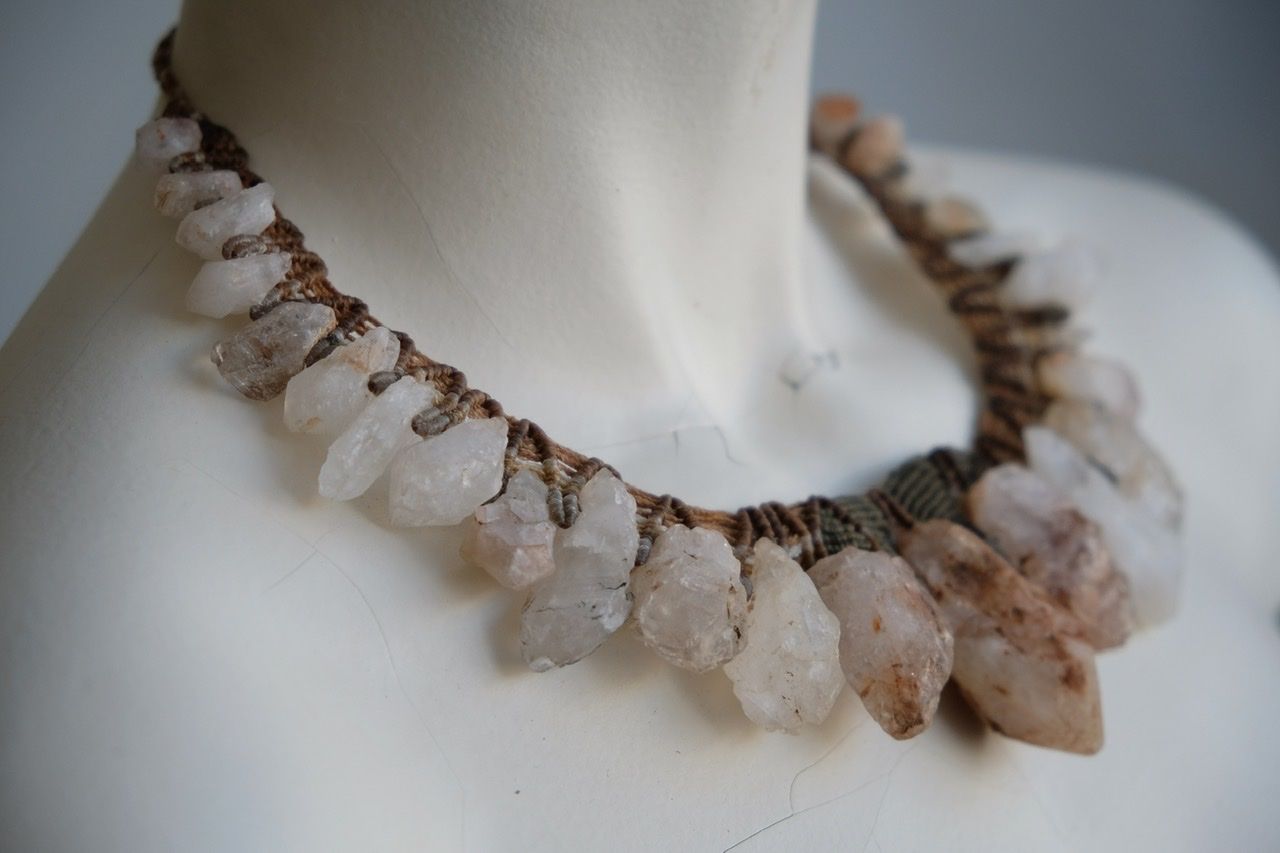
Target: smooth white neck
pixel 594 209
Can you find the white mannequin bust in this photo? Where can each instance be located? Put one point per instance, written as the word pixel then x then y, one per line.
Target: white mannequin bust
pixel 598 212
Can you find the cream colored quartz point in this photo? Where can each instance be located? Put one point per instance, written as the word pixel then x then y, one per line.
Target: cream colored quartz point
pixel 788 673
pixel 1078 376
pixel 327 396
pixel 512 536
pixel 182 192
pixel 1046 538
pixel 439 481
pixel 568 615
pixel 158 142
pixel 1020 660
pixel 689 602
pixel 895 647
pixel 205 229
pixel 236 285
pixel 364 449
pixel 262 357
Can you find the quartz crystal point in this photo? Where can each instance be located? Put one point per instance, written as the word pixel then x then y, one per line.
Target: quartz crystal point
pixel 159 141
pixel 895 647
pixel 951 218
pixel 204 230
pixel 833 118
pixel 788 673
pixel 439 481
pixel 235 286
pixel 1051 543
pixel 364 449
pixel 991 248
pixel 1019 660
pixel 568 615
pixel 261 358
pixel 327 396
pixel 182 192
pixel 689 600
pixel 1087 378
pixel 511 537
pixel 1114 443
pixel 1062 276
pixel 876 147
pixel 1145 550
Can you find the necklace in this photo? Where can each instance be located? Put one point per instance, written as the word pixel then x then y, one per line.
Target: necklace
pixel 1003 567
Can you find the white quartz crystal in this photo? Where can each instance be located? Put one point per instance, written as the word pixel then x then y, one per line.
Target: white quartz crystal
pixel 235 286
pixel 511 537
pixel 895 648
pixel 1020 661
pixel 1144 549
pixel 1076 376
pixel 568 615
pixel 1039 530
pixel 159 141
pixel 250 211
pixel 950 217
pixel 182 192
pixel 261 358
pixel 876 147
pixel 788 673
pixel 689 599
pixel 364 449
pixel 1115 444
pixel 985 249
pixel 439 481
pixel 326 397
pixel 1062 276
pixel 832 119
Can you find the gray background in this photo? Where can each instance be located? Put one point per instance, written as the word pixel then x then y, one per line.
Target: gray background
pixel 1184 90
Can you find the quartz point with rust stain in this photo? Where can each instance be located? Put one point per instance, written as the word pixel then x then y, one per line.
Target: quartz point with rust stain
pixel 235 286
pixel 1046 538
pixel 1146 550
pixel 260 359
pixel 1020 661
pixel 1115 444
pixel 568 615
pixel 1088 378
pixel 689 602
pixel 895 646
pixel 182 192
pixel 1061 276
pixel 205 229
pixel 158 142
pixel 327 396
pixel 788 673
pixel 439 481
pixel 512 536
pixel 364 449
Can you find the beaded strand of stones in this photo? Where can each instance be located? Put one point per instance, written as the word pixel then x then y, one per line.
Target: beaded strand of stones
pixel 1003 568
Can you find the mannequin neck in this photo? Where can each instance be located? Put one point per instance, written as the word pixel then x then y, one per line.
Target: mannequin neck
pixel 583 205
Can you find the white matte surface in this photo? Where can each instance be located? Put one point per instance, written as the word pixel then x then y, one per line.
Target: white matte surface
pixel 200 653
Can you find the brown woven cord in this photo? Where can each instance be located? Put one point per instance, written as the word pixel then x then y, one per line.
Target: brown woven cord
pixel 1006 342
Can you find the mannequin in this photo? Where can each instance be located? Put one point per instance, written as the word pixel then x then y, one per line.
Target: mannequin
pixel 597 211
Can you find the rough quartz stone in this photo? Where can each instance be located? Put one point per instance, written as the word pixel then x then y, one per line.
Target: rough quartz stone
pixel 689 602
pixel 1062 276
pixel 1043 535
pixel 1020 661
pixel 235 286
pixel 951 218
pixel 261 358
pixel 182 192
pixel 788 673
pixel 511 537
pixel 159 141
pixel 1076 376
pixel 568 615
pixel 250 211
pixel 364 449
pixel 895 647
pixel 326 397
pixel 877 146
pixel 833 117
pixel 985 249
pixel 1144 549
pixel 441 480
pixel 1115 444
